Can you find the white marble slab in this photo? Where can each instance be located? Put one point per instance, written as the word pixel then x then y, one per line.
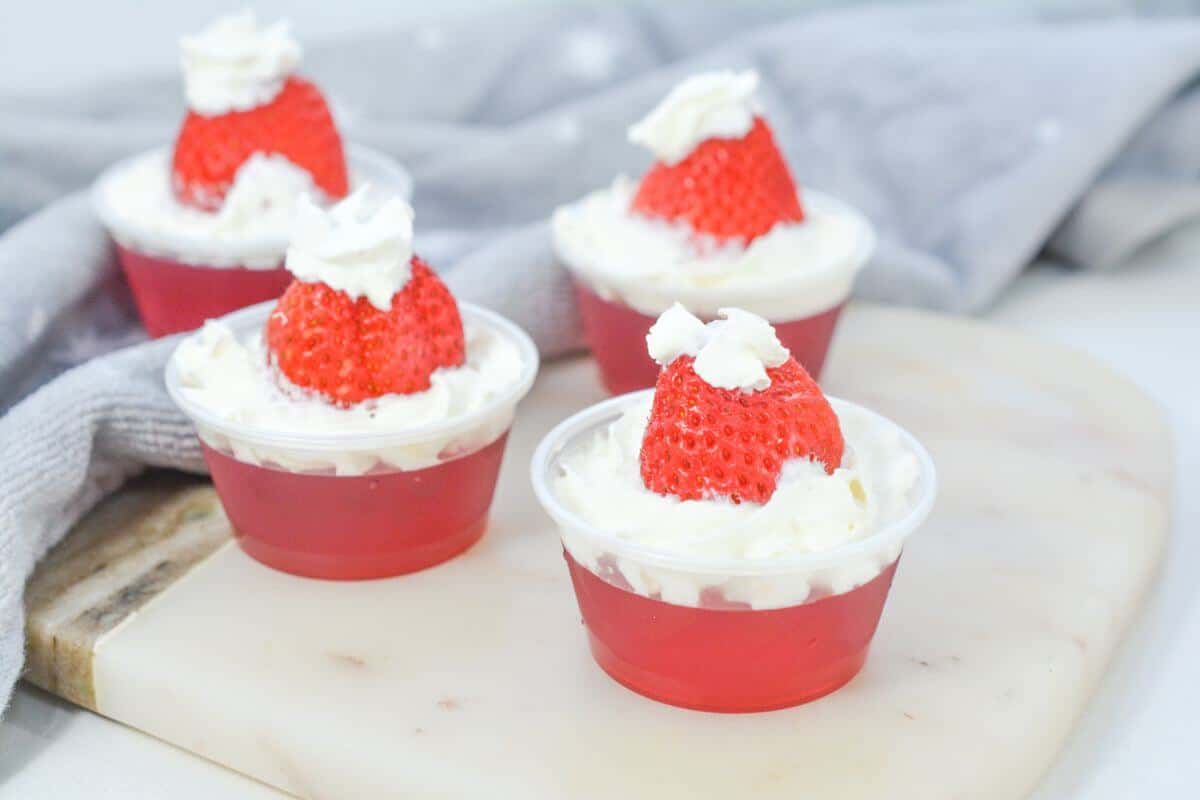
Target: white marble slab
pixel 474 677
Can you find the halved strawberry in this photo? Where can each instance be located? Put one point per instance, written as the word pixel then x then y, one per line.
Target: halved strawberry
pixel 727 188
pixel 704 442
pixel 349 351
pixel 296 124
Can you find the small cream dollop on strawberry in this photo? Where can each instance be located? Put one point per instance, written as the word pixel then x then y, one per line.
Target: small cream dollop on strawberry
pixel 730 408
pixel 234 65
pixel 359 249
pixel 711 105
pixel 365 317
pixel 245 98
pixel 732 352
pixel 719 169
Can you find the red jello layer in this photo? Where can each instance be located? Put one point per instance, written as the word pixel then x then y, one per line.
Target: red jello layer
pixel 616 335
pixel 353 527
pixel 172 296
pixel 729 659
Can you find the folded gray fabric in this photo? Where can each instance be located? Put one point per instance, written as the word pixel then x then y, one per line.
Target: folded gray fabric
pixel 974 140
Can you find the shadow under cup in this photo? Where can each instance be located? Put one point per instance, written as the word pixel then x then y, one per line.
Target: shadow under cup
pixel 725 635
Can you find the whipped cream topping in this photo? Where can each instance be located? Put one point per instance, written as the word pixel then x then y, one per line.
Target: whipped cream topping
pixel 710 105
pixel 794 270
pixel 233 65
pixel 256 216
pixel 232 379
pixel 265 187
pixel 810 512
pixel 733 352
pixel 358 246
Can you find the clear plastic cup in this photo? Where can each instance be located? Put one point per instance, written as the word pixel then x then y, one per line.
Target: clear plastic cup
pixel 719 634
pixel 803 313
pixel 179 281
pixel 292 510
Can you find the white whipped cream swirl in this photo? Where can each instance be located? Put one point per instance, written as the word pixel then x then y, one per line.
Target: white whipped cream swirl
pixel 710 105
pixel 233 65
pixel 264 192
pixel 732 352
pixel 358 246
pixel 232 380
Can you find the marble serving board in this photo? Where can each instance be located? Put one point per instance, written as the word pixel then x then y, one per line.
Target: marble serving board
pixel 473 679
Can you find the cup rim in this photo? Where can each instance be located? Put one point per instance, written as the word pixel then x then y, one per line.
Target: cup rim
pixel 246 319
pixel 708 298
pixel 591 418
pixel 200 250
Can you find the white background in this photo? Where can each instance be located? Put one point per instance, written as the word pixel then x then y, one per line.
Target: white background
pixel 46 44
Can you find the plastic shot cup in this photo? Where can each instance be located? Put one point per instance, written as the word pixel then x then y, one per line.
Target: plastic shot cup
pixel 179 281
pixel 719 634
pixel 803 314
pixel 293 510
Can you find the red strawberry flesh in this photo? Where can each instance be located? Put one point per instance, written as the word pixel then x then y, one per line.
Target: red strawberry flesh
pixel 704 442
pixel 296 124
pixel 726 188
pixel 349 351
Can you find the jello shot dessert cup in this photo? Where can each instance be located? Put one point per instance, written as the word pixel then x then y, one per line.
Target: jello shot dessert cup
pixel 732 534
pixel 717 221
pixel 355 428
pixel 200 229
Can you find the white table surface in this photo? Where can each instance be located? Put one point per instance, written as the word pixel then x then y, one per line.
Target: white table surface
pixel 1144 320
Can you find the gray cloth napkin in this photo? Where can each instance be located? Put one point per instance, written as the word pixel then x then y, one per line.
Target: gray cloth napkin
pixel 974 140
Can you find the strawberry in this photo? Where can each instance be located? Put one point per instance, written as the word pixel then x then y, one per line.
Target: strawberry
pixel 295 124
pixel 703 441
pixel 727 188
pixel 349 351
